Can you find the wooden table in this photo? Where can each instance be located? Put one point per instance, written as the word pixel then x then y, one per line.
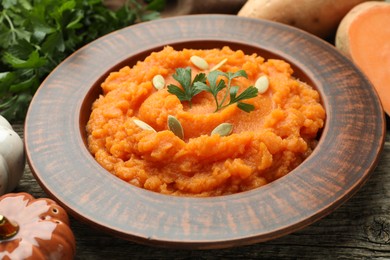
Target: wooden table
pixel 359 229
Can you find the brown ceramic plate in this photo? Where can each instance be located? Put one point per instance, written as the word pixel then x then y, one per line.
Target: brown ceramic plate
pixel 347 152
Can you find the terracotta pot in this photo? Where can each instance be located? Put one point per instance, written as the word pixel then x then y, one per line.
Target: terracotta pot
pixel 184 7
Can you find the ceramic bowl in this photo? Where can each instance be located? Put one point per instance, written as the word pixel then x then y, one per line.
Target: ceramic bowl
pixel 346 155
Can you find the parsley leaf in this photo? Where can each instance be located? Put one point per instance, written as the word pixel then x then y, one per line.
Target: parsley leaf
pixel 246 94
pixel 216 86
pixel 188 89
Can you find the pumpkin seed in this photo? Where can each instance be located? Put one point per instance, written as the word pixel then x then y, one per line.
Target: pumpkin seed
pixel 158 82
pixel 143 125
pixel 199 62
pixel 219 64
pixel 223 129
pixel 262 84
pixel 174 125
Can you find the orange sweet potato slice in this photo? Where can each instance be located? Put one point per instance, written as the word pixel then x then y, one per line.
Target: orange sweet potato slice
pixel 364 36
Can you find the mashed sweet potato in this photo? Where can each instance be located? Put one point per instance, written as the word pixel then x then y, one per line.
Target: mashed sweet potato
pixel 265 144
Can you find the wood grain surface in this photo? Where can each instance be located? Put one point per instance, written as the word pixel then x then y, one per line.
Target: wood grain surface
pixel 359 229
pixel 343 161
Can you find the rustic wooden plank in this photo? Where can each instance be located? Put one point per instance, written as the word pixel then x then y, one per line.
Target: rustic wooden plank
pixel 359 229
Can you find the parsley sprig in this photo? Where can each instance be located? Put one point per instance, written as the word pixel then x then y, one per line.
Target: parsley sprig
pixel 36 35
pixel 190 89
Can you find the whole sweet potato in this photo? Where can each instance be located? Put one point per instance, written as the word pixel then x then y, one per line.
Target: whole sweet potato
pixel 319 17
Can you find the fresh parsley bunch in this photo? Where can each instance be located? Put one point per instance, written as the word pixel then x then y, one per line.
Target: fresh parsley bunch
pixel 36 35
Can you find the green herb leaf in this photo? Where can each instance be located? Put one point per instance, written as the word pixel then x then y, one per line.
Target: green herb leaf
pixel 183 76
pixel 6 79
pixel 233 93
pixel 188 89
pixel 35 36
pixel 180 93
pixel 248 93
pixel 53 42
pixel 214 85
pixel 240 73
pixel 245 107
pixel 9 3
pixel 22 86
pixel 201 77
pixel 202 87
pixel 33 61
